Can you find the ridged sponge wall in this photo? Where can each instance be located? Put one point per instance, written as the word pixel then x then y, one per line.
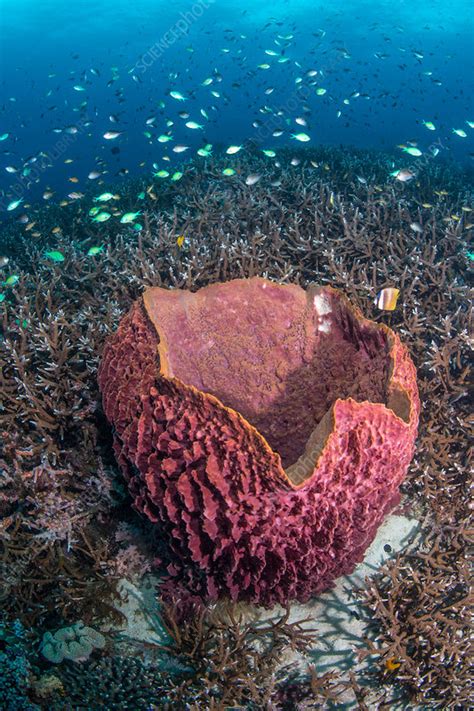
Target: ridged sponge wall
pixel 265 429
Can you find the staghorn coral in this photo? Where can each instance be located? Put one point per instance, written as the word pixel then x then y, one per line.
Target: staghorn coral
pixel 422 632
pixel 320 223
pixel 213 659
pixel 232 660
pixel 203 433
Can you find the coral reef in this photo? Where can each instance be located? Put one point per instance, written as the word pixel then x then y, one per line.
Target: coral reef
pixel 110 683
pixel 202 433
pixel 318 224
pixel 15 668
pixel 230 661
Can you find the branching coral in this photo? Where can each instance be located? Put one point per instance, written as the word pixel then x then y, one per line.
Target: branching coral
pixel 232 661
pixel 341 223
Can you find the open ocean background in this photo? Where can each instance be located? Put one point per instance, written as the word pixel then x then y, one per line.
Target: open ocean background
pixel 413 62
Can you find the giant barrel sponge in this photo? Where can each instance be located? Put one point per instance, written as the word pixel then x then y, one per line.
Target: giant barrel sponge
pixel 264 428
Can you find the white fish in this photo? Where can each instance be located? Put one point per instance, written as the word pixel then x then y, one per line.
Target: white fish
pixel 252 179
pixel 177 95
pixel 303 137
pixel 111 135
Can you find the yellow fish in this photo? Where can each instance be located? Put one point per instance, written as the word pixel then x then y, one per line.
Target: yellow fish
pixel 391 664
pixel 387 299
pixel 180 241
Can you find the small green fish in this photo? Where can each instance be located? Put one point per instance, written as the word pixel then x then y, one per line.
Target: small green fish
pixel 411 150
pixel 429 125
pixel 177 176
pixel 129 217
pixel 94 251
pixel 93 211
pixel 268 153
pixel 459 132
pixel 55 256
pixel 161 174
pixel 469 123
pixel 206 151
pixel 141 196
pixel 2 298
pixel 233 149
pixel 228 171
pixel 102 217
pixel 105 197
pixel 193 125
pixel 14 204
pixel 164 138
pixel 137 227
pixel 4 136
pixel 320 91
pixel 12 279
pixel 303 137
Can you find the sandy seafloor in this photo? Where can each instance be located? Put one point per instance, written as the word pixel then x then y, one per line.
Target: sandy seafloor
pixel 339 618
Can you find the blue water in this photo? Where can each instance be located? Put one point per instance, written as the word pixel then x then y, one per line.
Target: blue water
pixel 408 62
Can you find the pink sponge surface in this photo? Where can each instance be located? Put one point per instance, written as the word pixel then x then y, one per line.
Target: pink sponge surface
pixel 264 428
